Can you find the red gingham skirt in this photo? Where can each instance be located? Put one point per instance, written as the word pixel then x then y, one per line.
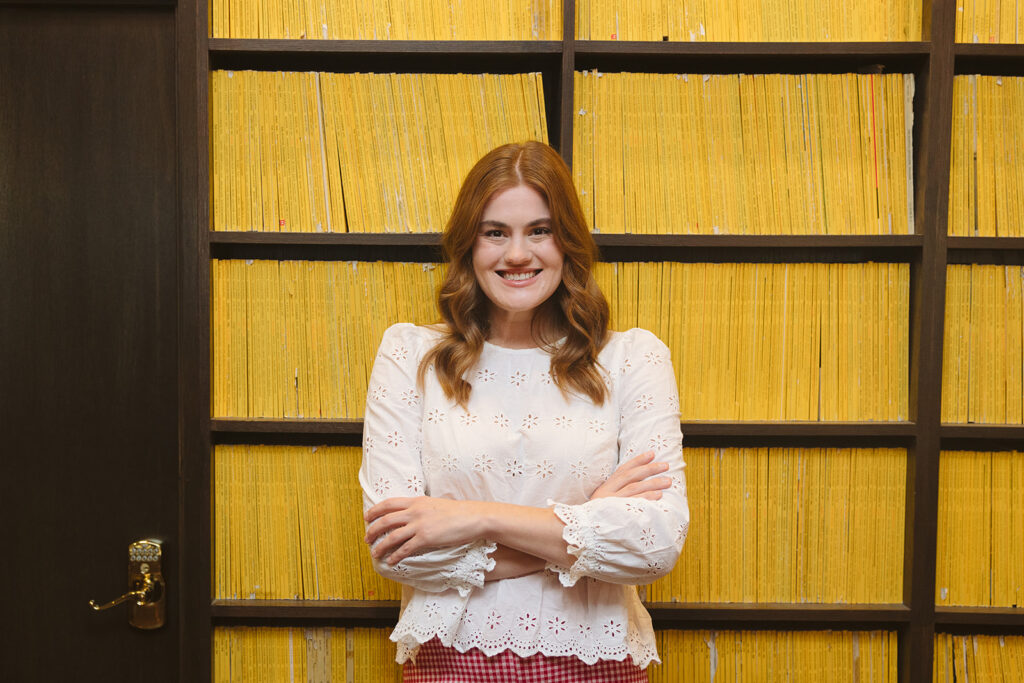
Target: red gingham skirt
pixel 436 663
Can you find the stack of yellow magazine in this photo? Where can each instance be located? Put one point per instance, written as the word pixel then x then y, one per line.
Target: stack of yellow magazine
pixel 288 525
pixel 989 21
pixel 978 658
pixel 980 543
pixel 820 525
pixel 780 154
pixel 776 657
pixel 748 20
pixel 986 180
pixel 334 152
pixel 419 20
pixel 982 345
pixel 774 341
pixel 243 654
pixel 298 338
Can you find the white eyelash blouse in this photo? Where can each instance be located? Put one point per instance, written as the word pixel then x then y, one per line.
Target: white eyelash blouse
pixel 520 441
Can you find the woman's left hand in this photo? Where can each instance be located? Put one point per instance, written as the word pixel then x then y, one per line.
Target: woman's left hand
pixel 414 525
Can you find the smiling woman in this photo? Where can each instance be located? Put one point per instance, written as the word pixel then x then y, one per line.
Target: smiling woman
pixel 522 464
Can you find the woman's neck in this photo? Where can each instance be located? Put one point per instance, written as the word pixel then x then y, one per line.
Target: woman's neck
pixel 514 330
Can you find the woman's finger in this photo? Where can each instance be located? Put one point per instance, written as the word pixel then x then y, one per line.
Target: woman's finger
pixel 385 506
pixel 383 525
pixel 652 484
pixel 392 541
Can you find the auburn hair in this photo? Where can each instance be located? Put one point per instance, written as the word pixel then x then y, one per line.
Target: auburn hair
pixel 577 310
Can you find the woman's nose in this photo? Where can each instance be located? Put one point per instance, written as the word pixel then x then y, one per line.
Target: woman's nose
pixel 518 251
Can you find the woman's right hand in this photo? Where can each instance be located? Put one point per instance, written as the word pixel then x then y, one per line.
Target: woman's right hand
pixel 635 478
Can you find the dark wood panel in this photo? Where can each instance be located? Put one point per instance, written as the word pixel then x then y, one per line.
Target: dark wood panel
pixel 89 377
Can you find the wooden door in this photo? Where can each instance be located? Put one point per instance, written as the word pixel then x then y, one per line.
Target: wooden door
pixel 89 328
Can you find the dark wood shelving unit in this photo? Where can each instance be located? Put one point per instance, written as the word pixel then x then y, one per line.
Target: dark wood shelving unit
pixel 934 62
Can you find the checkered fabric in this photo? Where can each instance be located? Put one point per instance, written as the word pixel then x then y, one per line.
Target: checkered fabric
pixel 436 663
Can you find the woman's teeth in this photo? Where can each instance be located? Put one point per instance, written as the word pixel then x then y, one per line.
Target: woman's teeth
pixel 519 276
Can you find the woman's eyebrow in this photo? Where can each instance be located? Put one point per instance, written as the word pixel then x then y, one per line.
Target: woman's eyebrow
pixel 499 224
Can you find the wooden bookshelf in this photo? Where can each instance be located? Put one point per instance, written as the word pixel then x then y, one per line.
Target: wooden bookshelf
pixel 934 62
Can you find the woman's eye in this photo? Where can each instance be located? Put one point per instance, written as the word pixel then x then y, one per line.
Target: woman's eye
pixel 493 233
pixel 542 231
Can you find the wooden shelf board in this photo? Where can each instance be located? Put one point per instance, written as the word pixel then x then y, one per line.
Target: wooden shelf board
pixel 981 431
pixel 393 47
pixel 986 243
pixel 425 247
pixel 713 49
pixel 978 616
pixel 765 615
pixel 228 426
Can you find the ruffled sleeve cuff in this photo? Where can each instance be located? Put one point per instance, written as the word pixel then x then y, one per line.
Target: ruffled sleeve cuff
pixel 468 571
pixel 580 536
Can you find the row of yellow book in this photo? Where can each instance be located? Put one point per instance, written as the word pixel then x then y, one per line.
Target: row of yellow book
pixel 776 657
pixel 960 658
pixel 791 525
pixel 983 345
pixel 774 341
pixel 798 525
pixel 246 654
pixel 365 655
pixel 986 177
pixel 748 20
pixel 745 153
pixel 749 341
pixel 419 20
pixel 337 152
pixel 288 525
pixel 298 338
pixel 979 557
pixel 989 21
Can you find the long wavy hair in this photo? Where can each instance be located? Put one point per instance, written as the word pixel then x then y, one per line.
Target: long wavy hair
pixel 577 310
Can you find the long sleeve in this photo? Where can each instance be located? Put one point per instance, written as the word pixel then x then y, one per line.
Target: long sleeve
pixel 391 466
pixel 634 540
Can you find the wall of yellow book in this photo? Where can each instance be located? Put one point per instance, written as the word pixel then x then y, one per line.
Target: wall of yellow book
pixel 774 341
pixel 288 525
pixel 420 20
pixel 986 179
pixel 775 656
pixel 745 153
pixel 989 21
pixel 298 338
pixel 980 538
pixel 243 654
pixel 799 525
pixel 749 341
pixel 983 345
pixel 336 152
pixel 978 658
pixel 748 20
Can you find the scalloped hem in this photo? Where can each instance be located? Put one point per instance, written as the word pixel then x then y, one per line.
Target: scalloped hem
pixel 407 651
pixel 470 570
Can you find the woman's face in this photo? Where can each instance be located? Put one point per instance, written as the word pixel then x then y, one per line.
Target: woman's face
pixel 516 259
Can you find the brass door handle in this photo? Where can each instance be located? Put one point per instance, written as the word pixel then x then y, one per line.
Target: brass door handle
pixel 145 586
pixel 142 596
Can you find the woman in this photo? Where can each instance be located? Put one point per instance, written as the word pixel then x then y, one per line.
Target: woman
pixel 522 465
